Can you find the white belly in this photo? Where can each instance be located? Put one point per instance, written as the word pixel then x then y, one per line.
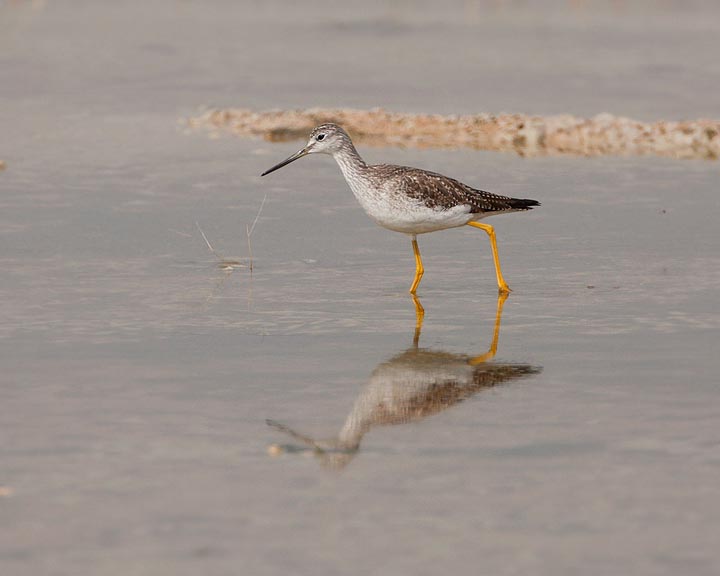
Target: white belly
pixel 420 220
pixel 407 215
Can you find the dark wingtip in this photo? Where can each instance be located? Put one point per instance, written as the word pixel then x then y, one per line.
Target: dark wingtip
pixel 524 203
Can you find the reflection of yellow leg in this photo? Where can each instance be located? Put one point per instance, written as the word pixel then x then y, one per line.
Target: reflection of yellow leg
pixel 419 315
pixel 496 334
pixel 502 286
pixel 419 270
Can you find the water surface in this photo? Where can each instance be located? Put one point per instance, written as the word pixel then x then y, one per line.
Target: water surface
pixel 137 375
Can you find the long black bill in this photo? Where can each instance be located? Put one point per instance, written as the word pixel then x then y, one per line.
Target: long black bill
pixel 292 158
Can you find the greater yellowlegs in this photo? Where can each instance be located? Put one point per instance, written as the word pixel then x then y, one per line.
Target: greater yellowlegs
pixel 410 200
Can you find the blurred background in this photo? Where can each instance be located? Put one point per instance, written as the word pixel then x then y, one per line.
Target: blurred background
pixel 137 371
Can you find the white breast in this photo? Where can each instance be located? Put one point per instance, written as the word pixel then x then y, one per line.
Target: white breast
pixel 398 212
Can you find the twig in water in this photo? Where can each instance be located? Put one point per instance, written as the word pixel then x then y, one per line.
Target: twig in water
pixel 249 231
pixel 231 264
pixel 223 263
pixel 208 242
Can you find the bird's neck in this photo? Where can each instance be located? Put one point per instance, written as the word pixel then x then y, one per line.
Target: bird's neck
pixel 350 162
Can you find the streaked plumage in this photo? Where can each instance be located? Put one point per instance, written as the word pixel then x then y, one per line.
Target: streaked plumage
pixel 409 200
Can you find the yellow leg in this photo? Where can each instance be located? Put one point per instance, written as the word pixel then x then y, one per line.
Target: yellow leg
pixel 502 296
pixel 502 286
pixel 419 270
pixel 419 315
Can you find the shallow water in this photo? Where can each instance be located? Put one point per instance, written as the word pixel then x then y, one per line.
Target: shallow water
pixel 138 375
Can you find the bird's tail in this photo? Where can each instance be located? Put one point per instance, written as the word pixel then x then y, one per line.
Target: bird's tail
pixel 523 203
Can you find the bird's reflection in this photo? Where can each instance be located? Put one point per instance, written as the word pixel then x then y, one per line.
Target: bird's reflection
pixel 408 387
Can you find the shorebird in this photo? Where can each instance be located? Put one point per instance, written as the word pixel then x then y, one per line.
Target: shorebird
pixel 410 200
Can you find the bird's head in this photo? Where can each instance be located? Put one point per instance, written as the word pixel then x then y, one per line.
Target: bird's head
pixel 324 139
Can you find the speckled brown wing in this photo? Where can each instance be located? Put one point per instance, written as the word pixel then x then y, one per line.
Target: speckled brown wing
pixel 442 193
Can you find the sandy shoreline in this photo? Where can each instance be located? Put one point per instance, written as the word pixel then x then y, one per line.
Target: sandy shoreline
pixel 600 135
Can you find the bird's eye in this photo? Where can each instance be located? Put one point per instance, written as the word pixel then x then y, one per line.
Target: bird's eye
pixel 320 137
